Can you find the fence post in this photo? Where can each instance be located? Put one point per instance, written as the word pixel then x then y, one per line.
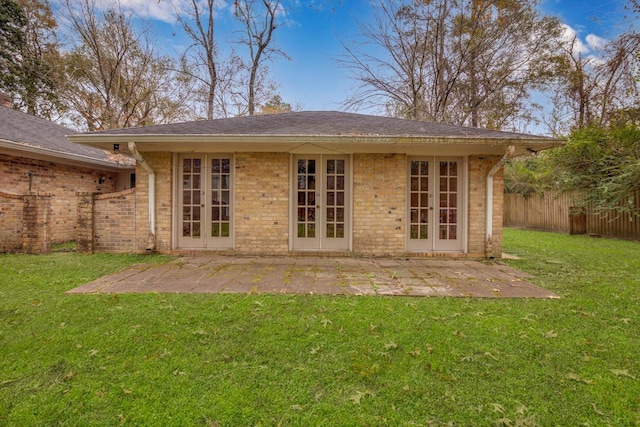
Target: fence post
pixel 36 224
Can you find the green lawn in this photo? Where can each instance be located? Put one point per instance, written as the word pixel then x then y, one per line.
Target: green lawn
pixel 245 360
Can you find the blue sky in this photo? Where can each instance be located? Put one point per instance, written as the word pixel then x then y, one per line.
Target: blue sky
pixel 315 28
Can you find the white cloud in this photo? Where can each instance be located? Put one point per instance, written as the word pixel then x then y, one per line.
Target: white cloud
pixel 161 10
pixel 596 42
pixel 570 35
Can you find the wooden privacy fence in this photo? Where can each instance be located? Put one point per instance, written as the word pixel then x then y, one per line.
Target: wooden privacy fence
pixel 557 212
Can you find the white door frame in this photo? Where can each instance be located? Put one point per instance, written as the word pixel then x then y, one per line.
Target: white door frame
pixel 216 228
pixel 438 202
pixel 330 211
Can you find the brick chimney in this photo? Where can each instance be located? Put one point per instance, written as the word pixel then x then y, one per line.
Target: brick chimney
pixel 6 100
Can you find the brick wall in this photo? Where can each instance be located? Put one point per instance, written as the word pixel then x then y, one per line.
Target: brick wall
pixel 479 167
pixel 262 202
pixel 162 165
pixel 36 223
pixel 106 222
pixel 261 211
pixel 379 203
pixel 62 181
pixel 114 221
pixel 25 223
pixel 11 211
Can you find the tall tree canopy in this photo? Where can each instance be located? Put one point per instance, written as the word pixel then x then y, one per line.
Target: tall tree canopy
pixel 466 62
pixel 116 78
pixel 231 81
pixel 12 40
pixel 41 71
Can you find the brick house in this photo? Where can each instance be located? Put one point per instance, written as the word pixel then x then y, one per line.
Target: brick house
pixel 40 168
pixel 320 182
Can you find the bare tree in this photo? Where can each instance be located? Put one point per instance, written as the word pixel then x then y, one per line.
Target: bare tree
pixel 468 62
pixel 259 21
pixel 115 77
pixel 200 60
pixel 598 88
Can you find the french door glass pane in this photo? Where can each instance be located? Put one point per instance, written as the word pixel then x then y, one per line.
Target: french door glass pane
pixel 220 197
pixel 448 218
pixel 191 190
pixel 306 198
pixel 419 200
pixel 335 198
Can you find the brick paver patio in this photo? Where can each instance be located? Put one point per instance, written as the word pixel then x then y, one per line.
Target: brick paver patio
pixel 317 275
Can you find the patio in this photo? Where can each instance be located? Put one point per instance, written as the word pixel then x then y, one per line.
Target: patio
pixel 320 275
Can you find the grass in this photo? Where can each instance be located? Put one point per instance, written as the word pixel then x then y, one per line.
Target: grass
pixel 247 360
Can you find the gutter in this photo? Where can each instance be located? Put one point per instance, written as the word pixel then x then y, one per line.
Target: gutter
pixel 489 203
pixel 68 157
pixel 151 244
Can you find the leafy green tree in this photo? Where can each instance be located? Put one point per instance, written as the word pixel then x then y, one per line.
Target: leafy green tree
pixel 12 40
pixel 40 73
pixel 275 106
pixel 601 164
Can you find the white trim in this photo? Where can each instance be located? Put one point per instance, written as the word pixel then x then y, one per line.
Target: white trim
pixel 322 202
pixel 351 198
pixel 431 243
pixel 465 205
pixel 151 244
pixel 174 203
pixel 206 219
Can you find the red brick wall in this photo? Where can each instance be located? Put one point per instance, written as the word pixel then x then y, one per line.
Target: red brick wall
pixel 62 181
pixel 25 223
pixel 11 210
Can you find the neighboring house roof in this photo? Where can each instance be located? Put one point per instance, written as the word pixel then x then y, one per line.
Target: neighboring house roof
pixel 278 131
pixel 30 136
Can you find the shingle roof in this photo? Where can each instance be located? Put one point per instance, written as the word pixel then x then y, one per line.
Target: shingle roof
pixel 24 130
pixel 317 123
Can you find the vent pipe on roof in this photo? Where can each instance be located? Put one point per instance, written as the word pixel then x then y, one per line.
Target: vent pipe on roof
pixel 151 245
pixel 489 214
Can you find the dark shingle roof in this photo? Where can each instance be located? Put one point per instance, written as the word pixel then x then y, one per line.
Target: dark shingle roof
pixel 24 130
pixel 317 123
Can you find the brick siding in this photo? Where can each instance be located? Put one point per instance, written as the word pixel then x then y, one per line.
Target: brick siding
pixel 261 210
pixel 106 222
pixel 62 181
pixel 479 167
pixel 25 223
pixel 262 202
pixel 11 212
pixel 162 165
pixel 379 203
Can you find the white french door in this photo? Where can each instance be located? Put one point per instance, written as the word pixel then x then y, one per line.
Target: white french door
pixel 205 201
pixel 321 202
pixel 435 204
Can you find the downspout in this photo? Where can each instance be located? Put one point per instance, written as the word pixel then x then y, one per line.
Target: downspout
pixel 151 243
pixel 489 214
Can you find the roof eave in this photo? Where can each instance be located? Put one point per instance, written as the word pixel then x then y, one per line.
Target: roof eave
pixel 67 158
pixel 106 141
